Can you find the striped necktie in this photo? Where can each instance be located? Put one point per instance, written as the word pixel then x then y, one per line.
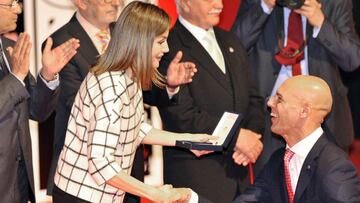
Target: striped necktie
pixel 287 157
pixel 104 38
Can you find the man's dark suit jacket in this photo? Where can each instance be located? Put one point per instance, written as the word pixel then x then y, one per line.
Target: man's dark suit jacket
pixel 327 176
pixel 199 108
pixel 18 103
pixel 336 47
pixel 71 78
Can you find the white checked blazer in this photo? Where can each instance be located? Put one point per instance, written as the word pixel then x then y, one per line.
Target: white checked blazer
pixel 105 127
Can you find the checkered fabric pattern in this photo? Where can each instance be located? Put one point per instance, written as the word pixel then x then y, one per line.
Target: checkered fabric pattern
pixel 105 127
pixel 287 157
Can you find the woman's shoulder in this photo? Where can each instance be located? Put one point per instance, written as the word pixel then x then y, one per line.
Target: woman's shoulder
pixel 105 82
pixel 106 78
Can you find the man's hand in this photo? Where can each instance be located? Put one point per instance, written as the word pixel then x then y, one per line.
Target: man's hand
pixel 185 194
pixel 20 56
pixel 199 153
pixel 179 73
pixel 270 3
pixel 53 60
pixel 248 147
pixel 312 11
pixel 170 194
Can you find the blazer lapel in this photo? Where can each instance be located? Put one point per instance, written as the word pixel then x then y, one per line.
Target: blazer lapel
pixel 308 168
pixel 200 55
pixel 228 53
pixel 87 48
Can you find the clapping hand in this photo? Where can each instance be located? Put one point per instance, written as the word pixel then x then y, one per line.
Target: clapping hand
pixel 179 73
pixel 53 60
pixel 20 56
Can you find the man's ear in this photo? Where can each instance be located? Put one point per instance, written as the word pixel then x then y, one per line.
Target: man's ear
pixel 185 5
pixel 82 4
pixel 305 111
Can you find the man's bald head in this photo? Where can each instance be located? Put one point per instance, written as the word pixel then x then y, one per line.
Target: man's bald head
pixel 311 90
pixel 299 107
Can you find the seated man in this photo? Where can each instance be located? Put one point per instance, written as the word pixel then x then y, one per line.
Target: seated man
pixel 310 168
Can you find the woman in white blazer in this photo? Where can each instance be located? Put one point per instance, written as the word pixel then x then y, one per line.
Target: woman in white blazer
pixel 106 124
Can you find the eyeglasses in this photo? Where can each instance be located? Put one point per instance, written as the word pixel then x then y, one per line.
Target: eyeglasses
pixel 13 4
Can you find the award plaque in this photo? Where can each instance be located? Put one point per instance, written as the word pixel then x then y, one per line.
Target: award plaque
pixel 225 130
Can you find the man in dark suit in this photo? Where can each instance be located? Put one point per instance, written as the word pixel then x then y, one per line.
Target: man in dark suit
pixel 352 79
pixel 21 98
pixel 330 44
pixel 310 168
pixel 223 83
pixel 92 18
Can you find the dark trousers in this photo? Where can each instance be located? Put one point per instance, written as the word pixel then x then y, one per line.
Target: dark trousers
pixel 60 196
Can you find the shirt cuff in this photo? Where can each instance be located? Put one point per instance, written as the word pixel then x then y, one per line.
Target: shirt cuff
pixel 265 7
pixel 22 82
pixel 172 93
pixel 53 84
pixel 316 31
pixel 194 197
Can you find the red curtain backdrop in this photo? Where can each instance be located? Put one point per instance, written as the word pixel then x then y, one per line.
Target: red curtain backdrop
pixel 228 14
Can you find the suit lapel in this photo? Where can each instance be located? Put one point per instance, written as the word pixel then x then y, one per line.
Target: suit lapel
pixel 201 57
pixel 308 168
pixel 7 43
pixel 87 48
pixel 233 65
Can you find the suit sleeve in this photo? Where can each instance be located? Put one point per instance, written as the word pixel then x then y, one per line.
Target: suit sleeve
pixel 259 191
pixel 42 100
pixel 249 23
pixel 340 182
pixel 338 35
pixel 12 93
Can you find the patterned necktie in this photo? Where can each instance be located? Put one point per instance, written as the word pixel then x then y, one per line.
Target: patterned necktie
pixel 104 38
pixel 287 157
pixel 293 52
pixel 213 51
pixel 3 65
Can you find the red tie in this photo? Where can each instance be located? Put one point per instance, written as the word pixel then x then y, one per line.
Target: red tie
pixel 288 155
pixel 293 53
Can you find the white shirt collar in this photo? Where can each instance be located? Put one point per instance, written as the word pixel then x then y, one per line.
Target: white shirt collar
pixel 303 147
pixel 198 32
pixel 91 31
pixel 89 28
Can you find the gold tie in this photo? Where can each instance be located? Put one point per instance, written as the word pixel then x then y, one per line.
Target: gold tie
pixel 104 38
pixel 213 50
